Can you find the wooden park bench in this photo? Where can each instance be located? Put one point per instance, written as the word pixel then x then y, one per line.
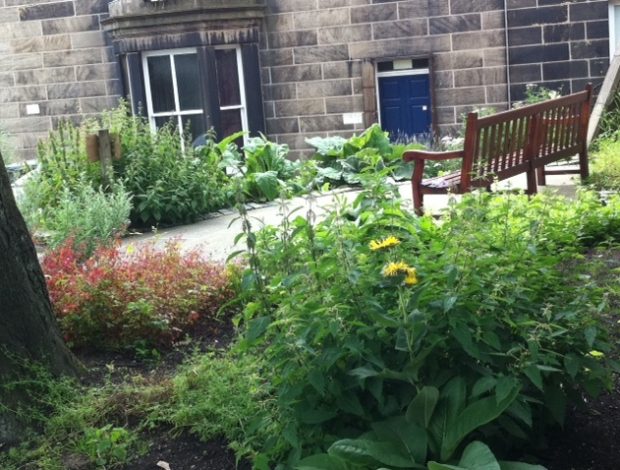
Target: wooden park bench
pixel 508 143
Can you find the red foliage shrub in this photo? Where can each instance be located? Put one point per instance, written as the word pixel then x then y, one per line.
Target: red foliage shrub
pixel 123 296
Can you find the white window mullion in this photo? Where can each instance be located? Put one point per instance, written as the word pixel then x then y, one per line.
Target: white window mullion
pixel 182 113
pixel 149 96
pixel 244 114
pixel 234 106
pixel 175 85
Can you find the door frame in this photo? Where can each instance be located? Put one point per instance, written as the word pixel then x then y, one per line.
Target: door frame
pixel 406 73
pixel 612 27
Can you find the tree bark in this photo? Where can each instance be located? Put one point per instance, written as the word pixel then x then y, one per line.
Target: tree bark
pixel 28 329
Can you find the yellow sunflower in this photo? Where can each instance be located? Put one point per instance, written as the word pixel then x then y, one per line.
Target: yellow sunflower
pixel 411 279
pixel 393 269
pixel 389 242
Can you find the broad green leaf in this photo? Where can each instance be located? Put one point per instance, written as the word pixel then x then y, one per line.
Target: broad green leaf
pixel 367 452
pixel 521 411
pixel 268 184
pixel 290 435
pixel 590 334
pixel 533 373
pixel 571 364
pixel 315 416
pixel 421 408
pixel 350 404
pixel 455 393
pixel 316 378
pixel 410 436
pixel 257 327
pixel 546 368
pixel 401 340
pixel 321 462
pixel 448 303
pixel 519 466
pixel 363 372
pixel 463 336
pixel 474 416
pixel 482 386
pixel 504 387
pixel 440 466
pixel 478 456
pixel 511 426
pixel 382 319
pixel 452 399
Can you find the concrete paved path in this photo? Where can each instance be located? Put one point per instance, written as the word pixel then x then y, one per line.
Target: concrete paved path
pixel 215 236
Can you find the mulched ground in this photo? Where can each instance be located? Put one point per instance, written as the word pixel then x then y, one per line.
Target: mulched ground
pixel 187 453
pixel 166 451
pixel 591 438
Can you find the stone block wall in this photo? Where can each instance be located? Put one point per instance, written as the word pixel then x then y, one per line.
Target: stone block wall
pixel 561 45
pixel 318 59
pixel 53 54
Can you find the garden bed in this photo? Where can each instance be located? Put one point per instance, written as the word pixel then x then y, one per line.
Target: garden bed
pixel 330 338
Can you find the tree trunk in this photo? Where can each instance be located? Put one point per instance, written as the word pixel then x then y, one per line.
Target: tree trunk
pixel 28 329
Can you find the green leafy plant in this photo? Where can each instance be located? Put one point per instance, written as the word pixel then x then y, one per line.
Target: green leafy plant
pixel 130 297
pixel 387 334
pixel 223 395
pixel 171 182
pixel 63 162
pixel 340 161
pixel 266 170
pixel 88 216
pixel 535 93
pixel 106 447
pixel 605 167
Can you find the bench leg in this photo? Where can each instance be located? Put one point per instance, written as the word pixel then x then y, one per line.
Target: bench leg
pixel 531 182
pixel 542 178
pixel 584 170
pixel 418 199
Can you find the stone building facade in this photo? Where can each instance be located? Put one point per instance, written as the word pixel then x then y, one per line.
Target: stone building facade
pixel 301 68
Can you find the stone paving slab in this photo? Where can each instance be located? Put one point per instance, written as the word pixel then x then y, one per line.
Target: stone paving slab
pixel 215 235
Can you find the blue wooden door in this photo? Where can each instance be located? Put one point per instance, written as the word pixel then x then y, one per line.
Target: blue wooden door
pixel 405 103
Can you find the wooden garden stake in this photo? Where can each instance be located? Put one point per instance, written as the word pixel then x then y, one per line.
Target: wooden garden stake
pixel 105 156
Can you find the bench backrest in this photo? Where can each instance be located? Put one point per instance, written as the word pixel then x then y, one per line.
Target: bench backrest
pixel 507 143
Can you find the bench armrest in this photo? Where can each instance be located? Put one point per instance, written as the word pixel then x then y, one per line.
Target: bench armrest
pixel 416 155
pixel 420 156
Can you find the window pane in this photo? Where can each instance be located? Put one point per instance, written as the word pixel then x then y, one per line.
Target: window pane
pixel 227 77
pixel 161 121
pixel 186 66
pixel 231 122
pixel 195 124
pixel 162 92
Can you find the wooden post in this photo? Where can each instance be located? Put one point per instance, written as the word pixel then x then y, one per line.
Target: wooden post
pixel 105 156
pixel 117 149
pixel 92 147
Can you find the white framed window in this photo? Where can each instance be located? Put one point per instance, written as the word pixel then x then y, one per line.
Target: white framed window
pixel 173 90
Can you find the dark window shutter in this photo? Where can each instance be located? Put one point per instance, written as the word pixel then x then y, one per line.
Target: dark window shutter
pixel 135 83
pixel 208 88
pixel 253 92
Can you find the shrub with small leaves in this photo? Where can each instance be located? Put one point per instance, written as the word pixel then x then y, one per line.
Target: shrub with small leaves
pixel 120 297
